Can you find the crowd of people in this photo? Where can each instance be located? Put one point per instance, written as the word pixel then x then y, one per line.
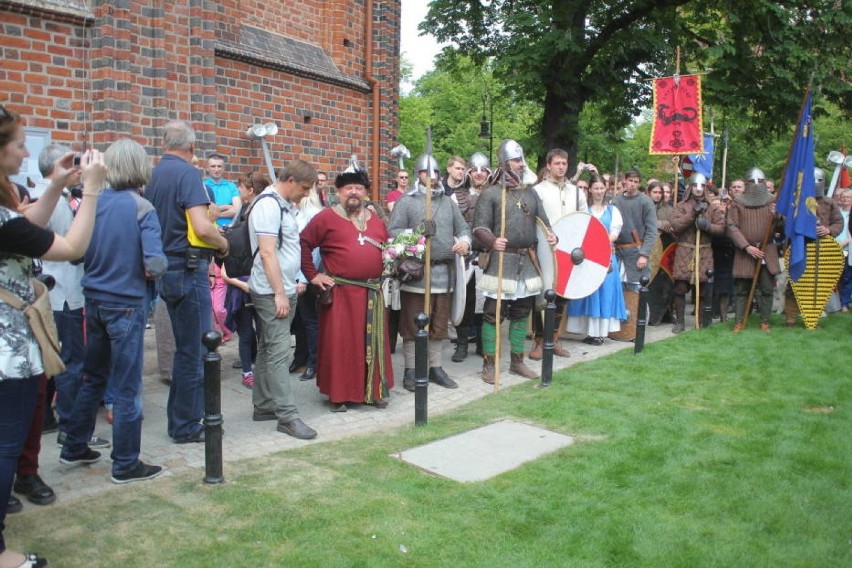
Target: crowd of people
pixel 134 240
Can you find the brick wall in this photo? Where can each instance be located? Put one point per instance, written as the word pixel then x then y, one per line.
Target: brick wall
pixel 92 72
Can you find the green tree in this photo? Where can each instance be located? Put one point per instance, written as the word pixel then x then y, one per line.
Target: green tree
pixel 565 54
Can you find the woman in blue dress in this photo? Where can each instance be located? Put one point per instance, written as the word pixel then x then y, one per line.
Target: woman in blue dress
pixel 601 312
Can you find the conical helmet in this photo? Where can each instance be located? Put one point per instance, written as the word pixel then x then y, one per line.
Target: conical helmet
pixel 427 162
pixel 479 162
pixel 755 175
pixel 509 150
pixel 819 183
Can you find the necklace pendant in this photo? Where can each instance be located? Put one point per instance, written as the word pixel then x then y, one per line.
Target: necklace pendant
pixel 361 239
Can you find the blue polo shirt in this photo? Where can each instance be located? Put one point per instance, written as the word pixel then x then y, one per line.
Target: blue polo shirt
pixel 175 186
pixel 224 192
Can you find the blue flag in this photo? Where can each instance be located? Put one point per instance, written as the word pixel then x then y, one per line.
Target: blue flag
pixel 703 163
pixel 796 200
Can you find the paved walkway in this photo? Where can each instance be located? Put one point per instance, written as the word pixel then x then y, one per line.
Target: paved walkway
pixel 245 438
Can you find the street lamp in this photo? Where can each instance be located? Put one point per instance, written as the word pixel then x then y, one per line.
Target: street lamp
pixel 486 125
pixel 840 161
pixel 260 132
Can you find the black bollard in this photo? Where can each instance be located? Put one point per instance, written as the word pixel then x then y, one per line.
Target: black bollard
pixel 212 409
pixel 707 310
pixel 642 316
pixel 421 369
pixel 549 344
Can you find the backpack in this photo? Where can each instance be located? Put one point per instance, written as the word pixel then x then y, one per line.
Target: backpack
pixel 240 256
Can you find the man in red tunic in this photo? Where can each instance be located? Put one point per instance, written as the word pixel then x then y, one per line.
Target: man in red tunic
pixel 353 361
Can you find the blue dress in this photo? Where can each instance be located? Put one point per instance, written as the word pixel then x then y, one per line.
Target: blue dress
pixel 603 310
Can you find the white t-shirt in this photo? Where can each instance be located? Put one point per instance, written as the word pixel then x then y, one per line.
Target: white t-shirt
pixel 265 219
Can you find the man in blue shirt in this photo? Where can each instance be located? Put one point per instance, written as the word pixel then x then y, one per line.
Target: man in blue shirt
pixel 226 195
pixel 179 197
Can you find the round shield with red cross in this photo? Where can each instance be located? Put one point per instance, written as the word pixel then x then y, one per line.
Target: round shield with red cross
pixel 582 255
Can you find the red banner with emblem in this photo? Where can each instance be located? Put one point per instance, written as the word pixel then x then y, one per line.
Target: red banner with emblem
pixel 677 127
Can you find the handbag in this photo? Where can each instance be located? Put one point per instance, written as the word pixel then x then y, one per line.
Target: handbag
pixel 40 316
pixel 410 270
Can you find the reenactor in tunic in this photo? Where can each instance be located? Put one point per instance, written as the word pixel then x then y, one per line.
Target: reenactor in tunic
pixel 693 220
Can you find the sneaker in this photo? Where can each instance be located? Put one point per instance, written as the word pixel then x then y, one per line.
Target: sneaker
pixel 95 442
pixel 141 472
pixel 248 380
pixel 87 457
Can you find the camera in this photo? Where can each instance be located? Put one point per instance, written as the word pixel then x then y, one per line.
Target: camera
pixel 77 159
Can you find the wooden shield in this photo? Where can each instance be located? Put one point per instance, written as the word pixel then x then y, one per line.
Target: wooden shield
pixel 822 271
pixel 583 255
pixel 459 298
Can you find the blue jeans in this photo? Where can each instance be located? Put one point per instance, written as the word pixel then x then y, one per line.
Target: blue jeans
pixel 17 403
pixel 69 324
pixel 114 353
pixel 274 389
pixel 187 296
pixel 845 286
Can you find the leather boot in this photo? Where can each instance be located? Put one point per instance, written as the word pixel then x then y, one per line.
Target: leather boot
pixel 680 312
pixel 791 311
pixel 537 351
pixel 558 350
pixel 408 379
pixel 460 353
pixel 438 376
pixel 517 367
pixel 488 369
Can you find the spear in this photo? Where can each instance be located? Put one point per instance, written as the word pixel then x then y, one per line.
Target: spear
pixel 428 228
pixel 500 255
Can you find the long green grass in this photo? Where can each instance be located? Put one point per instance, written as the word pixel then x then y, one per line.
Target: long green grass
pixel 709 449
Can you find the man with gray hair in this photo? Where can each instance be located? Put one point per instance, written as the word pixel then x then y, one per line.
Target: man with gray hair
pixel 190 240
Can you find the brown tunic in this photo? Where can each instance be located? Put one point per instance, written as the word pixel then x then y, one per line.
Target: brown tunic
pixel 747 226
pixel 682 221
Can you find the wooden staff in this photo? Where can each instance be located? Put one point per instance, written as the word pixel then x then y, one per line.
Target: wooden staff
pixel 499 285
pixel 696 258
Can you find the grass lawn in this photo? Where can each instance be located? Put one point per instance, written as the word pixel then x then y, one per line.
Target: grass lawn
pixel 710 449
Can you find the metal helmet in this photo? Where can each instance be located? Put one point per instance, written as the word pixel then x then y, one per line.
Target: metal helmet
pixel 509 150
pixel 479 162
pixel 819 183
pixel 755 175
pixel 699 180
pixel 427 162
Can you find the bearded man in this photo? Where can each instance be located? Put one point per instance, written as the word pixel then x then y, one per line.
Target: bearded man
pixel 515 237
pixel 450 234
pixel 353 361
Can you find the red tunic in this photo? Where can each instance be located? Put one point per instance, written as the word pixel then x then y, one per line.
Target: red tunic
pixel 342 349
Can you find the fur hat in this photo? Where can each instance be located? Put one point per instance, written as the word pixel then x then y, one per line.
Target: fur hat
pixel 358 176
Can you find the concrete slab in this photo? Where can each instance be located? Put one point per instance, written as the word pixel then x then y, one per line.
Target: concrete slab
pixel 482 453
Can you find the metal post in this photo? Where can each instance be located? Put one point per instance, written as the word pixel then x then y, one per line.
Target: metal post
pixel 642 316
pixel 707 310
pixel 268 159
pixel 549 344
pixel 421 369
pixel 212 409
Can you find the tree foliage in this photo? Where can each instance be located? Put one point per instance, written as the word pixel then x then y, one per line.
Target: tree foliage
pixel 567 56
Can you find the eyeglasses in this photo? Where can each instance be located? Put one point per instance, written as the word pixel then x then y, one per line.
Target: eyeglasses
pixel 402 177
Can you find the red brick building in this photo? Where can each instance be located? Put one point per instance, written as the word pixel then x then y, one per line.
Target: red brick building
pixel 325 71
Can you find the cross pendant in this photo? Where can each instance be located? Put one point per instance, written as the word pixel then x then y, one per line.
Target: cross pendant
pixel 361 239
pixel 519 204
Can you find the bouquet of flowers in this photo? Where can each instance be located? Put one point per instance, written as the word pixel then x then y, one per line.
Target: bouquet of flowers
pixel 403 256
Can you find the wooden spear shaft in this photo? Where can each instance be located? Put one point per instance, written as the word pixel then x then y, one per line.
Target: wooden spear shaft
pixel 497 318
